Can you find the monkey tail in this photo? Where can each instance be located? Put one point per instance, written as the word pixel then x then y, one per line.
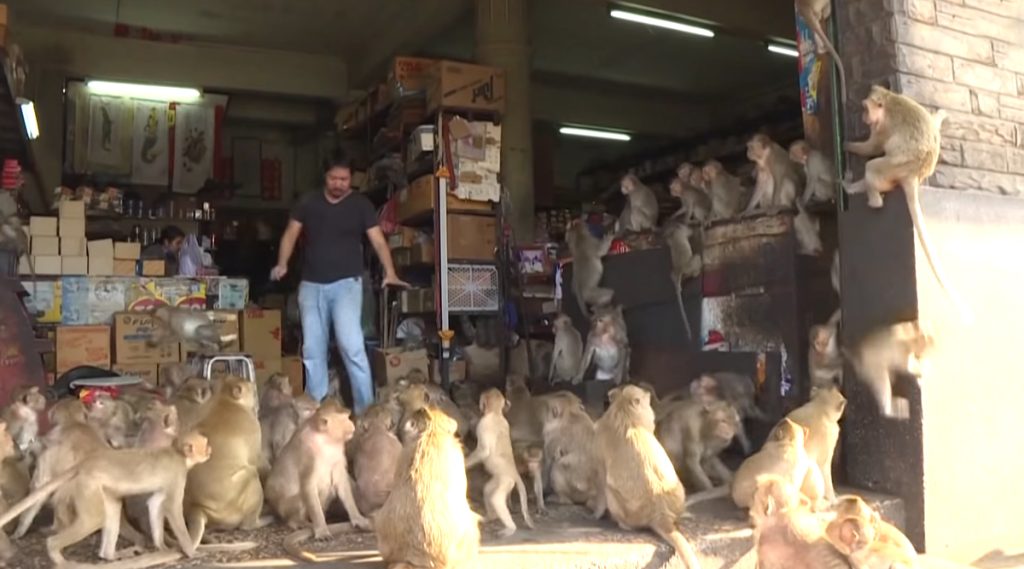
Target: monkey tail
pixel 294 539
pixel 917 216
pixel 151 559
pixel 37 495
pixel 521 489
pixel 839 65
pixel 706 495
pixel 682 546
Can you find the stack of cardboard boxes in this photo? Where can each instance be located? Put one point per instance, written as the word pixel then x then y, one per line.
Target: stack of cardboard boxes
pixel 58 247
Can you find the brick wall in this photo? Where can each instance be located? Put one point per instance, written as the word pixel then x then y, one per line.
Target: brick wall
pixel 965 56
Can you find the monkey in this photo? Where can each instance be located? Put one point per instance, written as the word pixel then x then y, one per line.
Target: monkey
pixel 858 539
pixel 160 426
pixel 565 361
pixel 823 358
pixel 22 419
pixel 897 348
pixel 695 204
pixel 686 263
pixel 375 459
pixel 8 450
pixel 524 414
pixel 529 460
pixel 778 177
pixel 834 273
pixel 277 391
pixel 494 451
pixel 903 150
pixel 607 347
pixel 312 469
pixel 814 12
pixel 693 433
pixel 570 449
pixel 819 172
pixel 587 267
pixel 426 520
pixel 736 389
pixel 13 237
pixel 820 417
pixel 115 419
pixel 173 376
pixel 419 395
pixel 641 210
pixel 532 361
pixel 639 482
pixel 725 189
pixel 190 399
pixel 787 534
pixel 280 424
pixel 851 506
pixel 225 491
pixel 102 480
pixel 806 227
pixel 184 325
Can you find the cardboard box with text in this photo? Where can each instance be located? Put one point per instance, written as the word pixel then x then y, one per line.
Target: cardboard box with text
pixel 82 346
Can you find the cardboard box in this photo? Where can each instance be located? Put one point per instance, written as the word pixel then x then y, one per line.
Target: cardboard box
pixel 71 209
pixel 261 332
pixel 393 364
pixel 46 264
pixel 82 346
pixel 296 372
pixel 226 322
pixel 101 248
pixel 416 300
pixel 402 237
pixel 458 85
pixel 153 268
pixel 131 332
pixel 101 266
pixel 265 368
pixel 420 141
pixel 471 237
pixel 125 267
pixel 73 247
pixel 74 266
pixel 125 250
pixel 145 372
pixel 39 226
pixel 44 245
pixel 44 300
pixel 419 254
pixel 409 75
pixel 456 370
pixel 74 227
pixel 420 198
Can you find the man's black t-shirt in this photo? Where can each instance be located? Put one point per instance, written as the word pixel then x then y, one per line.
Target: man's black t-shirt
pixel 333 235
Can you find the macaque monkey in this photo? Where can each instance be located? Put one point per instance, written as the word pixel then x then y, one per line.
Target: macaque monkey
pixel 734 388
pixel 494 451
pixel 640 485
pixel 115 419
pixel 787 535
pixel 99 483
pixel 607 347
pixel 225 491
pixel 570 449
pixel 725 189
pixel 834 273
pixel 278 427
pixel 823 358
pixel 641 210
pixel 858 539
pixel 420 395
pixel 807 227
pixel 524 413
pixel 312 470
pixel 778 177
pixel 903 148
pixel 819 172
pixel 530 462
pixel 847 507
pixel 189 401
pixel 587 266
pixel 276 392
pixel 22 419
pixel 686 264
pixel 820 417
pixel 173 376
pixel 183 325
pixel 375 460
pixel 13 237
pixel 898 348
pixel 160 426
pixel 693 434
pixel 565 361
pixel 814 12
pixel 695 204
pixel 426 520
pixel 8 450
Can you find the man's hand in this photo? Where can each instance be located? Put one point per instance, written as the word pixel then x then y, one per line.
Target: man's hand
pixel 278 272
pixel 392 279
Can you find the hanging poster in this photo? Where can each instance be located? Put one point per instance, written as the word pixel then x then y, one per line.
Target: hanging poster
pixel 150 161
pixel 109 141
pixel 193 147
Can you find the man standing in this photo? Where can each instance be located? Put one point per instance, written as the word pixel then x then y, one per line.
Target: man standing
pixel 331 292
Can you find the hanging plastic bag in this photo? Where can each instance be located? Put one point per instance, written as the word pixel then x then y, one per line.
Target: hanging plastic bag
pixel 190 260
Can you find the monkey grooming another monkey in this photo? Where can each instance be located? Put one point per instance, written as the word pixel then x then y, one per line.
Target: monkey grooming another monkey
pixel 884 533
pixel 565 361
pixel 183 325
pixel 607 347
pixel 898 348
pixel 570 449
pixel 22 419
pixel 641 210
pixel 725 189
pixel 903 148
pixel 820 417
pixel 587 266
pixel 640 484
pixel 814 12
pixel 427 521
pixel 375 460
pixel 858 540
pixel 787 535
pixel 778 177
pixel 693 434
pixel 819 173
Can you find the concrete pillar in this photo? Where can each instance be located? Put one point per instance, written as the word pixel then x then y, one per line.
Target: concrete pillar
pixel 502 41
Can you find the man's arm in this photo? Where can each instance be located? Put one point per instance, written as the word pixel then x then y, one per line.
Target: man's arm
pixel 380 245
pixel 288 239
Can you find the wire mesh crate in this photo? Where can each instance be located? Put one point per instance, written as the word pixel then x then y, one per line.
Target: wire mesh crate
pixel 473 288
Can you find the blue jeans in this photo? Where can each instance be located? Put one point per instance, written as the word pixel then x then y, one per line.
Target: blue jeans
pixel 339 303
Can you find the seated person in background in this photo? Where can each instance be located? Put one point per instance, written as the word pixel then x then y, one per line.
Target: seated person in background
pixel 166 249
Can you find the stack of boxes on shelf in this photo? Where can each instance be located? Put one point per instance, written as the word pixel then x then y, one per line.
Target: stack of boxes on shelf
pixel 58 247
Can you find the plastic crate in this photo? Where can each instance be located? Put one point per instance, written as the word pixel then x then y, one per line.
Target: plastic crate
pixel 473 288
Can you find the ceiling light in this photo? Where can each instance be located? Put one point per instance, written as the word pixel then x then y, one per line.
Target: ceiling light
pixel 661 22
pixel 139 91
pixel 28 116
pixel 783 49
pixel 591 133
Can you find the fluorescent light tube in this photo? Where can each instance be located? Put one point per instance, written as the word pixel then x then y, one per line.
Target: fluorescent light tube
pixel 661 23
pixel 603 134
pixel 28 116
pixel 783 49
pixel 139 91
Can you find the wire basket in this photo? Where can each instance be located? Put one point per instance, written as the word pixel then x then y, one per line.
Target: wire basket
pixel 473 288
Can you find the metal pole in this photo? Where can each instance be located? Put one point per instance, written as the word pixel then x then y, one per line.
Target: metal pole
pixel 443 175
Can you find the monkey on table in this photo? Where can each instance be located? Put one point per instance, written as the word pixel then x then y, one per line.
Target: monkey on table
pixel 778 177
pixel 726 191
pixel 641 210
